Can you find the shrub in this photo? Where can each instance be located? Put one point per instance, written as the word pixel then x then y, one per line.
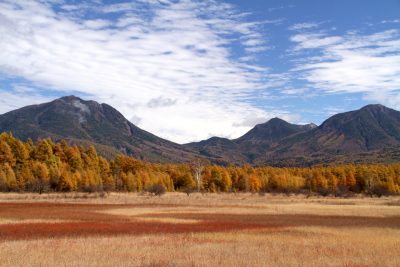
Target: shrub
pixel 323 192
pixel 379 191
pixel 156 189
pixel 188 190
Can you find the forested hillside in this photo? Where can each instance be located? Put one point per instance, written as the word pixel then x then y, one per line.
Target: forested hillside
pixel 90 123
pixel 47 166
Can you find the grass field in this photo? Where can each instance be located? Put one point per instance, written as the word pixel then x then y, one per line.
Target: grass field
pixel 199 230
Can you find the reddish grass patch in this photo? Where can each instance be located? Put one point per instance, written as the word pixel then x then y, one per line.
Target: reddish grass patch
pixel 65 211
pixel 288 220
pixel 86 220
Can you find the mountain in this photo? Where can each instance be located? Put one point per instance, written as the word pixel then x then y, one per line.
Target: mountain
pixel 370 134
pixel 222 150
pixel 88 122
pixel 250 146
pixel 272 131
pixel 369 129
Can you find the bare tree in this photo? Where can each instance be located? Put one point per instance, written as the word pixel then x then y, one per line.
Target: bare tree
pixel 197 166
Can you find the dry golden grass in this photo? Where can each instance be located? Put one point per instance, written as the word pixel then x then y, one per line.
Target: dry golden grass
pixel 28 221
pixel 200 230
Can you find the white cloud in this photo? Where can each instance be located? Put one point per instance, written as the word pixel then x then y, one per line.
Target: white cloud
pixel 177 50
pixel 314 40
pixel 161 102
pixel 97 23
pixel 390 21
pixel 272 9
pixel 303 26
pixel 294 91
pixel 353 63
pixel 14 99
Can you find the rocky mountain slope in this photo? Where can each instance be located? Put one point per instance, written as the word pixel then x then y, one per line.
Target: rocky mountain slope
pixel 354 136
pixel 88 122
pixel 370 134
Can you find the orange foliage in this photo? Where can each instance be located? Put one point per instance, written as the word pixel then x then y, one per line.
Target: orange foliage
pixel 49 166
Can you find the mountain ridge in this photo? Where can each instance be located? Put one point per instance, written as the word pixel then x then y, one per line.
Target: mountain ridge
pixel 82 121
pixel 343 136
pixel 243 149
pixel 349 137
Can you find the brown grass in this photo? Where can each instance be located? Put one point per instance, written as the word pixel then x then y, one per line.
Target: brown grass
pixel 200 230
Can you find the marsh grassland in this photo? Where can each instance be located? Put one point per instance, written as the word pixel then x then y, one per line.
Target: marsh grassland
pixel 198 230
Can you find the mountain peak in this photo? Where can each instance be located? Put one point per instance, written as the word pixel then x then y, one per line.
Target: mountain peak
pixel 276 119
pixel 311 125
pixel 370 128
pixel 88 122
pixel 70 98
pixel 271 131
pixel 374 107
pixel 274 122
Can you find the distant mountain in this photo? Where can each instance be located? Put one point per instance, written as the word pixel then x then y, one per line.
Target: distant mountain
pixel 88 122
pixel 370 134
pixel 250 146
pixel 222 150
pixel 272 131
pixel 372 127
pixel 369 129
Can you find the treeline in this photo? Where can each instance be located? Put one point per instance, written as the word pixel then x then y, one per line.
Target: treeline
pixel 59 167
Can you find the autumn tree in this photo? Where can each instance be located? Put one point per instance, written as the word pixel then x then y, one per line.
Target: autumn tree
pixel 8 181
pixel 19 150
pixel 41 174
pixel 106 175
pixel 73 156
pixel 6 155
pixel 66 182
pixel 254 183
pixel 350 179
pixel 44 151
pixel 60 167
pixel 197 165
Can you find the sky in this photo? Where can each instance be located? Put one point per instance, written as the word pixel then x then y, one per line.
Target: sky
pixel 187 70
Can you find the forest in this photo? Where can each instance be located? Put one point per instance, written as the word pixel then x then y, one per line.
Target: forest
pixel 47 166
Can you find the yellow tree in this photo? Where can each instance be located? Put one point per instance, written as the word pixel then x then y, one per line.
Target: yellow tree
pixel 254 183
pixel 8 181
pixel 44 151
pixel 66 183
pixel 19 150
pixel 226 180
pixel 25 179
pixel 74 158
pixel 6 155
pixel 350 179
pixel 92 159
pixel 332 180
pixel 41 174
pixel 105 174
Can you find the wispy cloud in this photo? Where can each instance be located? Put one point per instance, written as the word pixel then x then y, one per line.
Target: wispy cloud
pixel 390 21
pixel 303 26
pixel 277 8
pixel 10 100
pixel 352 63
pixel 153 60
pixel 314 40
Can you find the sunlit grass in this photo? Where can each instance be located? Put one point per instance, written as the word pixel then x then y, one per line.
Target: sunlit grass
pixel 201 230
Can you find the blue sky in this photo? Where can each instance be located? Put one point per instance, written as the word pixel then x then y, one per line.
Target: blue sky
pixel 188 70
